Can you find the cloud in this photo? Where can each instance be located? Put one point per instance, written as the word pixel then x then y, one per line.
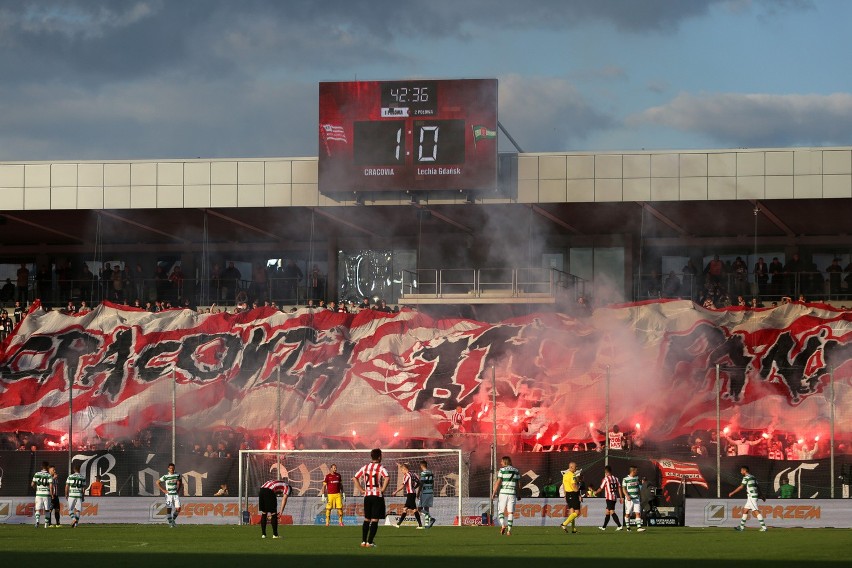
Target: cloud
pixel 160 119
pixel 216 78
pixel 757 120
pixel 547 114
pixel 78 40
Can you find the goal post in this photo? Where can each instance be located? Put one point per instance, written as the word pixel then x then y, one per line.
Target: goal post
pixel 306 469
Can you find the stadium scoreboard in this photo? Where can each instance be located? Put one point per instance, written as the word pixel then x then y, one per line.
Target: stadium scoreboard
pixel 415 135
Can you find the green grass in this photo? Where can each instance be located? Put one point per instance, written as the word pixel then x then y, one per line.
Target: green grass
pixel 125 546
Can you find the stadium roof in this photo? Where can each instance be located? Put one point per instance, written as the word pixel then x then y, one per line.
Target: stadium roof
pixel 676 223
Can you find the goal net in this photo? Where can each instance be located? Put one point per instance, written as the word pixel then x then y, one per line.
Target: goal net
pixel 306 469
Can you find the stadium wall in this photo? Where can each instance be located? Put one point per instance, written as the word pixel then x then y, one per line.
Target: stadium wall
pixel 134 473
pixel 678 175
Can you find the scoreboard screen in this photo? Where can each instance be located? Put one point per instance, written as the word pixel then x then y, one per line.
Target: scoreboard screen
pixel 408 135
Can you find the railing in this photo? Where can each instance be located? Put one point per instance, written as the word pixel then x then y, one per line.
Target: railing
pixel 473 284
pixel 810 286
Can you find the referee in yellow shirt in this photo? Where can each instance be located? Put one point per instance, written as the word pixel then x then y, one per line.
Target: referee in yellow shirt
pixel 572 497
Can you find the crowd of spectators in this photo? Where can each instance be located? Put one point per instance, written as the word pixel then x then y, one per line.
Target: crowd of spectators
pixel 731 283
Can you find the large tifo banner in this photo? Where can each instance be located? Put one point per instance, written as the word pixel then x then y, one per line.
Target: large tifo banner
pixel 376 376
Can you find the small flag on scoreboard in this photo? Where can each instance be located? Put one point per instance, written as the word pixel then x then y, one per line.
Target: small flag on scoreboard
pixel 331 133
pixel 482 132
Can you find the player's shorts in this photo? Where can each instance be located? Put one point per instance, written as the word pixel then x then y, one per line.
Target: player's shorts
pixel 411 501
pixel 751 503
pixel 334 501
pixel 426 500
pixel 610 504
pixel 173 501
pixel 42 503
pixel 374 507
pixel 572 499
pixel 506 502
pixel 632 506
pixel 267 502
pixel 75 504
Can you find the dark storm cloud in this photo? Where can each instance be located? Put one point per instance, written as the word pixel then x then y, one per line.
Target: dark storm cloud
pixel 105 79
pixel 107 39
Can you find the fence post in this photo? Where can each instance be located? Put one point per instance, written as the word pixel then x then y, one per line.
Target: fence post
pixel 70 421
pixel 718 436
pixel 493 440
pixel 278 418
pixel 174 413
pixel 832 407
pixel 606 420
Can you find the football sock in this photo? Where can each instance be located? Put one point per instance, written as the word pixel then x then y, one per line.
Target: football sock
pixel 169 514
pixel 374 527
pixel 365 530
pixel 275 524
pixel 56 513
pixel 37 517
pixel 402 518
pixel 502 519
pixel 417 516
pixel 606 521
pixel 263 524
pixel 327 516
pixel 615 518
pixel 511 518
pixel 570 519
pixel 744 519
pixel 760 518
pixel 175 514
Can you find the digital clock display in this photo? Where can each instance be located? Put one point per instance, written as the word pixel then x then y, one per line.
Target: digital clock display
pixel 420 97
pixel 408 135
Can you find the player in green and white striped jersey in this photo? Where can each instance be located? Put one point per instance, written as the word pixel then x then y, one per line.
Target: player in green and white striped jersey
pixel 507 484
pixel 74 487
pixel 427 492
pixel 752 495
pixel 43 484
pixel 171 484
pixel 632 501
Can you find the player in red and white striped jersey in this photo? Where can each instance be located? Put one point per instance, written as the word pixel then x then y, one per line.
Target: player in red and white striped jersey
pixel 410 483
pixel 610 486
pixel 267 501
pixel 372 480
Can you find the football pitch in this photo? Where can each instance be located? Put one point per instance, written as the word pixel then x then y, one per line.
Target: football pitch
pixel 125 546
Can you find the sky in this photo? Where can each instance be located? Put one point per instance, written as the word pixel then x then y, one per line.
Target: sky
pixel 155 79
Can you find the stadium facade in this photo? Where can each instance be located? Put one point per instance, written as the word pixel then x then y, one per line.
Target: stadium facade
pixel 616 220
